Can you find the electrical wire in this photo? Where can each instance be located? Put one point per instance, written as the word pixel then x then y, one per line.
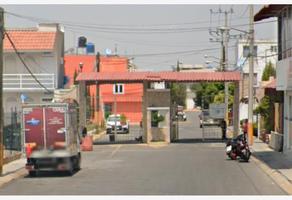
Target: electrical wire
pixel 110 25
pixel 22 61
pixel 139 42
pixel 126 30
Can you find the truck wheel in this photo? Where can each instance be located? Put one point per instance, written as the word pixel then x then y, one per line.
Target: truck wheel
pixel 71 167
pixel 32 173
pixel 77 162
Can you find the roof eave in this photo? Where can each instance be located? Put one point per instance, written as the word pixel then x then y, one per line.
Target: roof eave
pixel 28 50
pixel 268 11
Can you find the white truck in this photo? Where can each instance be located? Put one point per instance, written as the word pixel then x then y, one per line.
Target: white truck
pixel 51 137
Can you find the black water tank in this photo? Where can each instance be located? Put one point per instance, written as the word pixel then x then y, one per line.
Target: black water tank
pixel 82 42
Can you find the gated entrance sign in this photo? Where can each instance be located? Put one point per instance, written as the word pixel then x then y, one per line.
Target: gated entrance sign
pixel 217 111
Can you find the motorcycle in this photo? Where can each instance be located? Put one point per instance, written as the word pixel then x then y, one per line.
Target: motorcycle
pixel 238 147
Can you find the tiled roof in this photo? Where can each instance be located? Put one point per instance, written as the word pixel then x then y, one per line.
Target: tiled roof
pixel 30 40
pixel 138 77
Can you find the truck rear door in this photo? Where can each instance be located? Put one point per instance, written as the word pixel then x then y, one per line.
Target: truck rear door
pixel 55 127
pixel 33 125
pixel 45 127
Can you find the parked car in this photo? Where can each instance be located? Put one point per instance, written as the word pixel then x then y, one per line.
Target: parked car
pixel 121 126
pixel 206 120
pixel 181 116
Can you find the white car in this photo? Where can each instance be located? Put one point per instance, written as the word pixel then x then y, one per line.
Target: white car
pixel 181 116
pixel 112 120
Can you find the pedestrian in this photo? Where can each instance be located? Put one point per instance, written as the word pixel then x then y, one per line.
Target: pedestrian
pixel 245 128
pixel 223 127
pixel 84 132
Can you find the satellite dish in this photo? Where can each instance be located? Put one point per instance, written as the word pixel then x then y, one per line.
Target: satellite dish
pixel 108 52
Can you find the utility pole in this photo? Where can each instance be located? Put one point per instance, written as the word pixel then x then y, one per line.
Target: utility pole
pixel 225 65
pixel 177 66
pixel 251 76
pixel 224 33
pixel 1 90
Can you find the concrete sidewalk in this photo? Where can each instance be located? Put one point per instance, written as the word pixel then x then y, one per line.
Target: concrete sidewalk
pixel 277 165
pixel 13 170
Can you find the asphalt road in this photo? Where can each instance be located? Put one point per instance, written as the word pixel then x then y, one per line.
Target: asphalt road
pixel 189 167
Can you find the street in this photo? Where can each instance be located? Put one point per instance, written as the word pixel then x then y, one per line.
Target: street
pixel 189 167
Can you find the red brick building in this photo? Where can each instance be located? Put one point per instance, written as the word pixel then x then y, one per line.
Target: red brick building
pixel 128 97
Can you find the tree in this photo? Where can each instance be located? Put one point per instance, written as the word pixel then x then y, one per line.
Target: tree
pixel 264 109
pixel 208 93
pixel 268 71
pixel 178 93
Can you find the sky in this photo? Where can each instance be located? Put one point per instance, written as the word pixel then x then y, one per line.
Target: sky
pixel 155 37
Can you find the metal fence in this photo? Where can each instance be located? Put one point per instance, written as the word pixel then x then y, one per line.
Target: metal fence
pixel 212 132
pixel 211 128
pixel 12 132
pixel 124 129
pixel 26 82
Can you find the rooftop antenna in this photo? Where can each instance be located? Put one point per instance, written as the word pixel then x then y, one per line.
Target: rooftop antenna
pixel 116 49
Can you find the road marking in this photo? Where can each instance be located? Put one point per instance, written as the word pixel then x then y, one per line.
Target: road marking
pixel 115 150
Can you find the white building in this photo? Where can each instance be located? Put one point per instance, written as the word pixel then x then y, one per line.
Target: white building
pixel 42 50
pixel 265 52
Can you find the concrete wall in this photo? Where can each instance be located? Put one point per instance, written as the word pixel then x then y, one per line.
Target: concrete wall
pixel 12 99
pixel 156 100
pixel 162 132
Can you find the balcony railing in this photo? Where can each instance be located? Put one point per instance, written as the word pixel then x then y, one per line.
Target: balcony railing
pixel 27 82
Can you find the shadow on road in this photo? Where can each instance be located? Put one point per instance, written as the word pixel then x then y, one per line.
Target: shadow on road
pixel 52 174
pixel 116 142
pixel 275 160
pixel 193 140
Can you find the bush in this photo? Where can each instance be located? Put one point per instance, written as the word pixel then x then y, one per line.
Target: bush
pixel 123 118
pixel 107 114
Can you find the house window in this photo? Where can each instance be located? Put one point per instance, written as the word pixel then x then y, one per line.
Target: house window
pixel 118 88
pixel 245 52
pixel 273 48
pixel 46 99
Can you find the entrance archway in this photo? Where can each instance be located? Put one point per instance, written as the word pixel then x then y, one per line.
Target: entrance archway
pixel 145 78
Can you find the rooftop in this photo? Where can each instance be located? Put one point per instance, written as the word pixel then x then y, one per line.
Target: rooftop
pixel 41 38
pixel 139 77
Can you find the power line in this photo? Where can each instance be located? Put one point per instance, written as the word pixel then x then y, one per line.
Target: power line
pixel 244 12
pixel 174 53
pixel 139 42
pixel 22 61
pixel 112 25
pixel 127 30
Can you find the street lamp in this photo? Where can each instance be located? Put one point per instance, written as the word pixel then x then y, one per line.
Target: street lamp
pixel 80 66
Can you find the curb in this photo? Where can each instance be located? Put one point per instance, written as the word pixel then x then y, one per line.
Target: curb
pixel 12 158
pixel 157 144
pixel 97 136
pixel 275 175
pixel 12 176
